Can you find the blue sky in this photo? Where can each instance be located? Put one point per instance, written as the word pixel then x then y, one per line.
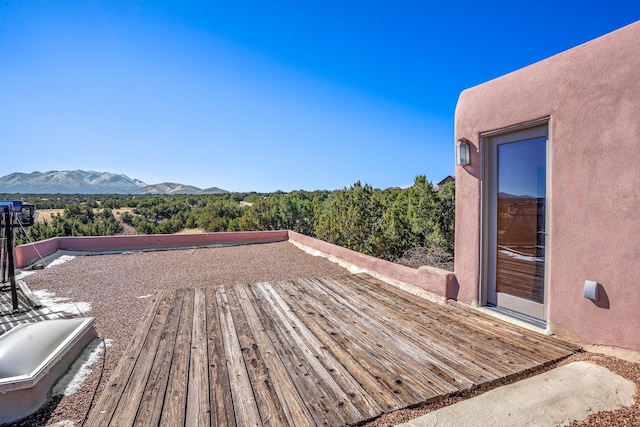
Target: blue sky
pixel 263 96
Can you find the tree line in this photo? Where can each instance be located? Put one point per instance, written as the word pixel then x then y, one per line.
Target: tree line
pixel 413 226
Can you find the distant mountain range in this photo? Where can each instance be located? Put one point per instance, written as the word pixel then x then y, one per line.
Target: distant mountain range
pixel 83 182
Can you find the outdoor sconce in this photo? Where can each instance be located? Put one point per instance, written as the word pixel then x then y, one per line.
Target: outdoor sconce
pixel 463 157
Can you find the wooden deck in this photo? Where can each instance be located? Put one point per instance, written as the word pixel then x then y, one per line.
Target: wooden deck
pixel 306 353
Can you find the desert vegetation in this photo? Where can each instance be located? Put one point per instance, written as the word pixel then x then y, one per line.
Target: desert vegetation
pixel 413 226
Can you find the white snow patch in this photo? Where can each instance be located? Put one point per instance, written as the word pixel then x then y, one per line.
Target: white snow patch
pixel 57 304
pixel 60 260
pixel 72 381
pixel 22 274
pixel 353 269
pixel 356 270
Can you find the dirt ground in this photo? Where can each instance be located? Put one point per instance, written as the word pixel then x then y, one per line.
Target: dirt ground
pixel 46 214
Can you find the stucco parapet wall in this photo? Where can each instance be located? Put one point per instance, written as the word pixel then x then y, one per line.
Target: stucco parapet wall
pixel 439 282
pixel 31 252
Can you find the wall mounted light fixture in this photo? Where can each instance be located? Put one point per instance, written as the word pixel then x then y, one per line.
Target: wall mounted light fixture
pixel 463 157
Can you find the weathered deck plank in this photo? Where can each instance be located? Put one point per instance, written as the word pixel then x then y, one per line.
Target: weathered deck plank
pixel 318 395
pixel 360 369
pixel 309 352
pixel 219 387
pixel 405 362
pixel 293 406
pixel 153 397
pixel 120 377
pixel 445 343
pixel 198 387
pixel 175 399
pixel 270 409
pixel 244 403
pixel 517 342
pixel 432 340
pixel 325 361
pixel 361 344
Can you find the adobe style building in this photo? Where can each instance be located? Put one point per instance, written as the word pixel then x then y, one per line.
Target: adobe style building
pixel 548 206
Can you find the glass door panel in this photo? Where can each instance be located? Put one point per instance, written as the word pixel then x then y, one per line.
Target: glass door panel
pixel 515 233
pixel 521 219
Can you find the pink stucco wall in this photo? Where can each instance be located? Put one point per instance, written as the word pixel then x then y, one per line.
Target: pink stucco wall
pixel 435 280
pixel 29 253
pixel 591 95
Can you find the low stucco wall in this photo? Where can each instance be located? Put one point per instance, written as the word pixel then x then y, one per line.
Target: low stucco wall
pixel 31 252
pixel 591 96
pixel 437 281
pixel 441 283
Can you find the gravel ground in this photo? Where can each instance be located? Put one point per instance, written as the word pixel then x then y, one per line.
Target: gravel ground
pixel 118 286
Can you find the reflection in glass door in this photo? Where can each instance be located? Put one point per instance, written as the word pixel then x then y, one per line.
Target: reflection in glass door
pixel 517 221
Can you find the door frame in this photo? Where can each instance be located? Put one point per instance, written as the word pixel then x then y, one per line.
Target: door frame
pixel 488 218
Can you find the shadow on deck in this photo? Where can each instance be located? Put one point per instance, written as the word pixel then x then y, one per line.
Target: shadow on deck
pixel 309 352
